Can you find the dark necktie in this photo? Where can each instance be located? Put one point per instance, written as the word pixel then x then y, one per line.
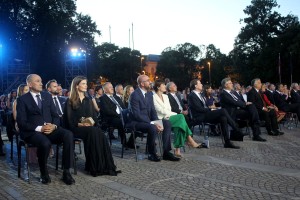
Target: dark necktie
pixel 57 106
pixel 233 96
pixel 116 102
pixel 39 102
pixel 178 102
pixel 203 101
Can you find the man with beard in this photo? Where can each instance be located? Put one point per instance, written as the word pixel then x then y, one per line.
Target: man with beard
pixel 143 113
pixel 59 102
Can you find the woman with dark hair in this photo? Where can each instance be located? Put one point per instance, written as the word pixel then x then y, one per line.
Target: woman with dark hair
pixel 80 117
pixel 210 101
pixel 179 125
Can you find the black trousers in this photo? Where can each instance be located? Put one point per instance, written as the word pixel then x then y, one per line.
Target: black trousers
pixel 151 131
pixel 43 143
pixel 270 119
pixel 250 113
pixel 117 123
pixel 219 116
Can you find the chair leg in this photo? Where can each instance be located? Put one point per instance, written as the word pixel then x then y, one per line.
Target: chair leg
pixel 11 148
pixel 135 149
pixel 27 160
pixel 19 160
pixel 80 150
pixel 57 155
pixel 75 163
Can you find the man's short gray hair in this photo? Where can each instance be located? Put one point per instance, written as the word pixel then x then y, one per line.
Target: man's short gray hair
pixel 224 81
pixel 169 85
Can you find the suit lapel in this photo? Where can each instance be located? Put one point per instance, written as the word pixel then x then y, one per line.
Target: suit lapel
pixel 33 103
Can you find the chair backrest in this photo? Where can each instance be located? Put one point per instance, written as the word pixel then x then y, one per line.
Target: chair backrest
pixel 190 114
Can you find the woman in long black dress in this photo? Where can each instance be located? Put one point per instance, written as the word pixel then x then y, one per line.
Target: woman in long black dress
pixel 98 156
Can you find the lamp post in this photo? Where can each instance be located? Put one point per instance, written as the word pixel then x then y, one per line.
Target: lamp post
pixel 209 72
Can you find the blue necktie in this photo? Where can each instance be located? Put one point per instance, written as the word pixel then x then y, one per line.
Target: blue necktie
pixel 39 102
pixel 57 106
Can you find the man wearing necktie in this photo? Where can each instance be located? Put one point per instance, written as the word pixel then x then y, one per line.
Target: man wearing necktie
pixel 38 123
pixel 239 109
pixel 176 102
pixel 201 113
pixel 268 115
pixel 110 111
pixel 59 102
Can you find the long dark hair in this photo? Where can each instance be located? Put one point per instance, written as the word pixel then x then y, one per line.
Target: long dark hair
pixel 74 96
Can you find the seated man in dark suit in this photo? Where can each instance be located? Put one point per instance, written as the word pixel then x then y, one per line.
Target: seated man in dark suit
pixel 111 108
pixel 237 91
pixel 202 113
pixel 283 102
pixel 269 92
pixel 176 102
pixel 143 113
pixel 238 109
pixel 295 94
pixel 59 101
pixel 38 123
pixel 266 114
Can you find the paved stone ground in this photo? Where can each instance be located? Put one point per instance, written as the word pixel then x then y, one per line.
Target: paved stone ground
pixel 268 170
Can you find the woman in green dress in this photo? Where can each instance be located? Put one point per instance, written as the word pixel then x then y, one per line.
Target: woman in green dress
pixel 179 125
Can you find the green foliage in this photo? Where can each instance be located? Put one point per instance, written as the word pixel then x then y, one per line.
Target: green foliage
pixel 118 65
pixel 266 34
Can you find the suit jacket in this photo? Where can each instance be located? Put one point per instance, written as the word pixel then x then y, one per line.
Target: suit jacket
pixel 62 101
pixel 196 106
pixel 163 108
pixel 142 108
pixel 29 115
pixel 108 107
pixel 280 101
pixel 174 104
pixel 231 105
pixel 295 97
pixel 269 94
pixel 256 99
pixel 239 96
pixel 120 101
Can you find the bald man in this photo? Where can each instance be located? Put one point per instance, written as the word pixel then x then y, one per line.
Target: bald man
pixel 38 123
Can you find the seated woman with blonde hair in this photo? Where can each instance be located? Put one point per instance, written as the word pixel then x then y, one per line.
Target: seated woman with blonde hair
pixel 179 125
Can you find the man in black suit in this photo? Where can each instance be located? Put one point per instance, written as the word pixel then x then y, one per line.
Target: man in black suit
pixel 268 115
pixel 283 102
pixel 59 101
pixel 202 113
pixel 111 108
pixel 176 102
pixel 237 91
pixel 295 95
pixel 143 113
pixel 269 92
pixel 38 123
pixel 238 109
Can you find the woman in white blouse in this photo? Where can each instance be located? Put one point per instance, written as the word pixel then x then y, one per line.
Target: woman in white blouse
pixel 179 125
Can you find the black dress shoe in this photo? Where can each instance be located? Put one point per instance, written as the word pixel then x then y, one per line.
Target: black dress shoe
pixel 259 139
pixel 169 156
pixel 67 178
pixel 45 179
pixel 153 157
pixel 230 145
pixel 272 133
pixel 279 132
